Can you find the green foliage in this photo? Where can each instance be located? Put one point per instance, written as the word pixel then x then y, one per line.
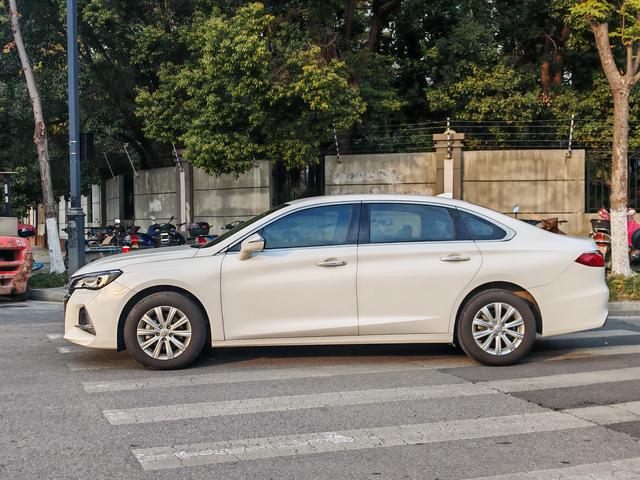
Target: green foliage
pixel 252 88
pixel 622 288
pixel 48 280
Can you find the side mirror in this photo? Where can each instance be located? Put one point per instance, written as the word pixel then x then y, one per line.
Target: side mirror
pixel 251 245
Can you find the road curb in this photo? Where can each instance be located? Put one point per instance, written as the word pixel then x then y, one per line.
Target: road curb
pixel 47 294
pixel 624 308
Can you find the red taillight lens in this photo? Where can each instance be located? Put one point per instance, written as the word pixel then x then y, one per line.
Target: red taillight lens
pixel 202 240
pixel 591 259
pixel 601 237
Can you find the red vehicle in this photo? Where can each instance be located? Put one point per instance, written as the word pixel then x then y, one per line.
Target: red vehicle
pixel 16 261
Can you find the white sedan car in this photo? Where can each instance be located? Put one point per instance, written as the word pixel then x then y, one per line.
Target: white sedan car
pixel 348 269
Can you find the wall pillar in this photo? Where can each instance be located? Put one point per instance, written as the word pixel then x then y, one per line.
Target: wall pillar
pixel 449 147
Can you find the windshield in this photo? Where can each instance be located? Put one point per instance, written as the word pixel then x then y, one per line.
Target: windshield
pixel 237 228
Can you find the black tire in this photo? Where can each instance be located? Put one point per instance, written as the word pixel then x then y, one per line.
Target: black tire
pixel 19 297
pixel 490 356
pixel 195 318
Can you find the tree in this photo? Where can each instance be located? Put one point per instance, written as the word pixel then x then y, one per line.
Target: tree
pixel 252 88
pixel 620 64
pixel 40 139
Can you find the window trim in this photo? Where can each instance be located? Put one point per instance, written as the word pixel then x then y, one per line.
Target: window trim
pixel 510 233
pixel 365 216
pixel 352 236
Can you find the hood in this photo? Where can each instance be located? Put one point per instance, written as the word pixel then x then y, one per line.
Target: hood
pixel 122 260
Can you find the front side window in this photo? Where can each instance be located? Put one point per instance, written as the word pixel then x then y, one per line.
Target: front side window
pixel 398 222
pixel 312 227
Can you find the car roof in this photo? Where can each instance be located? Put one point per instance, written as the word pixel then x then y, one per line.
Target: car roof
pixel 372 197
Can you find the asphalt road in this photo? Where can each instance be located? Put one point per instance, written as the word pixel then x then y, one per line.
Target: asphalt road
pixel 422 411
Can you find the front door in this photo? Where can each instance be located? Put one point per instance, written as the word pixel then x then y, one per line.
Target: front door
pixel 411 269
pixel 304 282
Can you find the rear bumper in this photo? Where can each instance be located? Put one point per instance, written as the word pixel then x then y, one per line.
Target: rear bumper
pixel 575 301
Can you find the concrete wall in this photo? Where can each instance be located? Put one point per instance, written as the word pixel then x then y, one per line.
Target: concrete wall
pixel 405 173
pixel 96 206
pixel 112 200
pixel 223 199
pixel 155 194
pixel 545 183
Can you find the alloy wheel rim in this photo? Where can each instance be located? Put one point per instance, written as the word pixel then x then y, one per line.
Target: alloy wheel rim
pixel 498 328
pixel 164 332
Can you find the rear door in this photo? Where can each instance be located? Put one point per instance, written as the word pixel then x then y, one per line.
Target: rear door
pixel 413 264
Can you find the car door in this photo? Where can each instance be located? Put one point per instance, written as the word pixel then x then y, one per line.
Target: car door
pixel 303 284
pixel 412 267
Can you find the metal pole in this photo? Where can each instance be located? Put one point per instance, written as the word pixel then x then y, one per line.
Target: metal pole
pixel 75 220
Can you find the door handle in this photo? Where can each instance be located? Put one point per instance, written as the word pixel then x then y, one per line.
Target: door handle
pixel 332 262
pixel 454 257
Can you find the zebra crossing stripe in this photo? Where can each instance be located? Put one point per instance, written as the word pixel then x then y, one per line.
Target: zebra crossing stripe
pixel 564 380
pixel 231 376
pixel 157 458
pixel 293 402
pixel 608 414
pixel 628 468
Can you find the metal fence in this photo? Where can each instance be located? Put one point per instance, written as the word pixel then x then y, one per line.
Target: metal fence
pixel 598 179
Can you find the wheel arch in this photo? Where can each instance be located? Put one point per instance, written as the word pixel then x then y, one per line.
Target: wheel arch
pixel 508 286
pixel 155 289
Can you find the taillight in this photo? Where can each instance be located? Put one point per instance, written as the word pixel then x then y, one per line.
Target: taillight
pixel 601 237
pixel 202 240
pixel 591 259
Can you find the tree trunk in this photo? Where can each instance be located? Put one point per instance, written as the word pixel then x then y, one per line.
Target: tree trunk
pixel 40 139
pixel 348 21
pixel 619 184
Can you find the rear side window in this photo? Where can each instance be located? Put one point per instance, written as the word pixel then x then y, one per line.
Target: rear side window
pixel 404 222
pixel 481 229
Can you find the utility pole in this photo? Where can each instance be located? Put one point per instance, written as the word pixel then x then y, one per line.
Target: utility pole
pixel 75 216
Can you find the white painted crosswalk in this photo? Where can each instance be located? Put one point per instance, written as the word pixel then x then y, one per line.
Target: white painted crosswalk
pixel 139 403
pixel 350 440
pixel 293 402
pixel 625 469
pixel 565 380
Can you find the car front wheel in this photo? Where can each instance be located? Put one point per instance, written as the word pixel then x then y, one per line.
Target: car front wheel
pixel 497 328
pixel 165 331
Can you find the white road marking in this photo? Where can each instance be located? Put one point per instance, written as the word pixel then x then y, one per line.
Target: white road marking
pixel 568 354
pixel 565 380
pixel 65 349
pixel 231 376
pixel 593 334
pixel 102 364
pixel 293 402
pixel 54 336
pixel 628 468
pixel 349 440
pixel 608 414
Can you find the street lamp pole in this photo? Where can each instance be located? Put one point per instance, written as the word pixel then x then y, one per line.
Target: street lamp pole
pixel 75 216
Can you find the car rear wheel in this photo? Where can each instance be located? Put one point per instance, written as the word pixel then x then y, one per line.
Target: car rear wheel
pixel 497 328
pixel 165 331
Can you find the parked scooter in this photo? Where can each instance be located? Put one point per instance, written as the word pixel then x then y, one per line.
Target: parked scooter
pixel 137 239
pixel 165 234
pixel 199 233
pixel 601 234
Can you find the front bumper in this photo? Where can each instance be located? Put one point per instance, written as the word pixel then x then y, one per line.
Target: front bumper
pixel 102 308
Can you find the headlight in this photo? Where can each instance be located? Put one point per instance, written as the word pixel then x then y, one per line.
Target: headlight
pixel 94 281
